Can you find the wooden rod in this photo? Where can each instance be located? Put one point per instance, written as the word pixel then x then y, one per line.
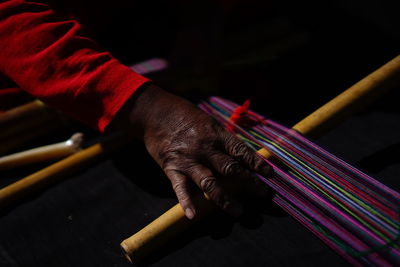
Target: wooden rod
pixel 38 180
pixel 352 100
pixel 172 222
pixel 24 136
pixel 9 117
pixel 43 153
pixel 26 122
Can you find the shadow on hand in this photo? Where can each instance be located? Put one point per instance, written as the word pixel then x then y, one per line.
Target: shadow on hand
pixel 146 174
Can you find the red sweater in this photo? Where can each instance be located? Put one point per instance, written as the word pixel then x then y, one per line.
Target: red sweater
pixel 48 57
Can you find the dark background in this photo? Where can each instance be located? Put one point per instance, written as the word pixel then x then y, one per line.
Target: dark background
pixel 289 57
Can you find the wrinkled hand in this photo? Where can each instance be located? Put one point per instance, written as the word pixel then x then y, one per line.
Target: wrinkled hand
pixel 190 146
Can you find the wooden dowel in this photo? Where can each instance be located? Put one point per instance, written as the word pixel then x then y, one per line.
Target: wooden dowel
pixel 25 135
pixel 60 169
pixel 9 117
pixel 43 153
pixel 169 224
pixel 352 100
pixel 23 126
pixel 26 122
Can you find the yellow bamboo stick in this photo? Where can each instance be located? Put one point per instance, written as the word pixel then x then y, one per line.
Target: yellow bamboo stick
pixel 43 153
pixel 26 122
pixel 172 222
pixel 38 180
pixel 16 119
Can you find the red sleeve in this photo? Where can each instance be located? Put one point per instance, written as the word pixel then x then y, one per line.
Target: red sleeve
pixel 49 58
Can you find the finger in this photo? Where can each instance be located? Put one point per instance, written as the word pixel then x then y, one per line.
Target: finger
pixel 238 175
pixel 207 182
pixel 181 186
pixel 242 153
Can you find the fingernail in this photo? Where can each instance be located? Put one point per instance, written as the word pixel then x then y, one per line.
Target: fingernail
pixel 234 209
pixel 189 213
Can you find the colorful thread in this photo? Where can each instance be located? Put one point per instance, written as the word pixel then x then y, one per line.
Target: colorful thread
pixel 351 212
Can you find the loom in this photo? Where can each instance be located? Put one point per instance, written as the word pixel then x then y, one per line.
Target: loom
pixel 352 213
pixel 358 96
pixel 173 221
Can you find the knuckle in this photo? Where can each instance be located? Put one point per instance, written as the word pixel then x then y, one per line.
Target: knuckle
pixel 243 153
pixel 231 168
pixel 167 159
pixel 238 148
pixel 177 163
pixel 182 195
pixel 178 188
pixel 170 154
pixel 208 184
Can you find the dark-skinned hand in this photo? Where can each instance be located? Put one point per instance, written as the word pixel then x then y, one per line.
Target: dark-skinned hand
pixel 193 148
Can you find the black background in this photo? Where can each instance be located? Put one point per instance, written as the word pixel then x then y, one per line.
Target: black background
pixel 81 220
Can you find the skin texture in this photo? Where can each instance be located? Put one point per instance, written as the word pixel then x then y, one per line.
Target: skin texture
pixel 194 150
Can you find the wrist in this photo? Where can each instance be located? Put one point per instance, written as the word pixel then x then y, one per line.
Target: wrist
pixel 144 108
pixel 137 111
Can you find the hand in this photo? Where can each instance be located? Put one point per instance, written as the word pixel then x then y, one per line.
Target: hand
pixel 191 147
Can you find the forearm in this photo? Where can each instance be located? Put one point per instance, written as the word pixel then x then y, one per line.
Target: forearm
pixel 51 59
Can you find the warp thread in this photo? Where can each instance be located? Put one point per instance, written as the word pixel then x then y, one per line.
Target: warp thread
pixel 351 212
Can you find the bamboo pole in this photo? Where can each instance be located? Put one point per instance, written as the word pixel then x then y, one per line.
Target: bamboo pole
pixel 172 222
pixel 9 117
pixel 43 153
pixel 16 119
pixel 24 136
pixel 26 122
pixel 38 180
